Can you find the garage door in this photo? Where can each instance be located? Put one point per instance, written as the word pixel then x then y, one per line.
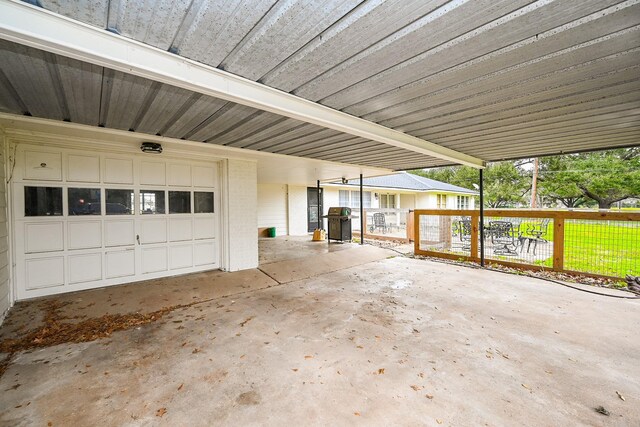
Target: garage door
pixel 84 219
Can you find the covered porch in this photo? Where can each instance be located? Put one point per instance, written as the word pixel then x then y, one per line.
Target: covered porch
pixel 378 338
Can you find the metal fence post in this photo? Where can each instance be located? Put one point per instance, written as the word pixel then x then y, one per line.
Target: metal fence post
pixel 481 225
pixel 361 213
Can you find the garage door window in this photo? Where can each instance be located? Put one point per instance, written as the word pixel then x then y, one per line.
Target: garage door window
pixel 84 201
pixel 179 202
pixel 42 201
pixel 152 202
pixel 119 202
pixel 203 201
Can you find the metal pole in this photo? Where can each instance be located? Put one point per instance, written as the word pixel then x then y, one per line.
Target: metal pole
pixel 361 213
pixel 319 210
pixel 481 225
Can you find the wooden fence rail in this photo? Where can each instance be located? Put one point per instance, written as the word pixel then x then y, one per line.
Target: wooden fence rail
pixel 444 226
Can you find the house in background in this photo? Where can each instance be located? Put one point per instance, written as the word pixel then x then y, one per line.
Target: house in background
pixel 292 209
pixel 401 190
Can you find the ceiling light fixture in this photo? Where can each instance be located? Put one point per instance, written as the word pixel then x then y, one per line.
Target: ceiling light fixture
pixel 151 147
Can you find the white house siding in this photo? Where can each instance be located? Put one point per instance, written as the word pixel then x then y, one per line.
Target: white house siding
pixel 408 201
pixel 297 210
pixel 272 207
pixel 5 293
pixel 242 214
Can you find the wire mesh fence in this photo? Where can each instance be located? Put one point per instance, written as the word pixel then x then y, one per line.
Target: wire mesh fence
pixel 601 243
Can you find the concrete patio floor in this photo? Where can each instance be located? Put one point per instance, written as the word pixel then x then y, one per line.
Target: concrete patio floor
pixel 382 340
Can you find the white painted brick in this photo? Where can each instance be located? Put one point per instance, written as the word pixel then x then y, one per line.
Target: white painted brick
pixel 242 187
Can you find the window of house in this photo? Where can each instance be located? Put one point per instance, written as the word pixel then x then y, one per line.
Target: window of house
pixel 84 201
pixel 388 201
pixel 442 201
pixel 152 202
pixel 462 202
pixel 352 199
pixel 42 201
pixel 343 198
pixel 118 202
pixel 179 202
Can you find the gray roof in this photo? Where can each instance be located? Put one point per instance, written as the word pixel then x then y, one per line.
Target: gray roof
pixel 407 181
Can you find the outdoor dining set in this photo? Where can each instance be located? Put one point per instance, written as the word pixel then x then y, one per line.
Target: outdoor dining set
pixel 507 238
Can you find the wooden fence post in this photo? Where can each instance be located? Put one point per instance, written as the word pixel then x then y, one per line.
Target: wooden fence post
pixel 410 227
pixel 475 219
pixel 558 243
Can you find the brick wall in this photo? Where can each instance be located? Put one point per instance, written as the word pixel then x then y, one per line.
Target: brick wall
pixel 5 301
pixel 242 220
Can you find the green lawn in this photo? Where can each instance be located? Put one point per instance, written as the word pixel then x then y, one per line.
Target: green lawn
pixel 611 248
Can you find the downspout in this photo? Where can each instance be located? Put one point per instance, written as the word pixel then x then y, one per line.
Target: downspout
pixel 481 225
pixel 361 213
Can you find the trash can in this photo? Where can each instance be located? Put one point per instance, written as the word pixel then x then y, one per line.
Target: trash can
pixel 271 232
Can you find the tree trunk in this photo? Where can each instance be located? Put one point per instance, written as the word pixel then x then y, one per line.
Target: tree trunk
pixel 604 204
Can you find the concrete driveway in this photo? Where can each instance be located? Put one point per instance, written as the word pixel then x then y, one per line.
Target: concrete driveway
pixel 382 341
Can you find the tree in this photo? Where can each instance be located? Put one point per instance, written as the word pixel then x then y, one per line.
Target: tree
pixel 505 183
pixel 604 176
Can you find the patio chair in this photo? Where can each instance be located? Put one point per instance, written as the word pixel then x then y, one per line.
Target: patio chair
pixel 538 229
pixel 503 238
pixel 464 233
pixel 379 222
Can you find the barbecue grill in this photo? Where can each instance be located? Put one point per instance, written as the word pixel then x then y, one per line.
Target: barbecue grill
pixel 339 219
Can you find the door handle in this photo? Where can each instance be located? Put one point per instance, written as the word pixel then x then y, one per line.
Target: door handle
pixel 138 238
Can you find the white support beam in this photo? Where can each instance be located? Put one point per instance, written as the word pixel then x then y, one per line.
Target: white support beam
pixel 41 29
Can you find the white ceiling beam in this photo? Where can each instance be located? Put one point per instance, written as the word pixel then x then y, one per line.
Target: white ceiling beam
pixel 33 26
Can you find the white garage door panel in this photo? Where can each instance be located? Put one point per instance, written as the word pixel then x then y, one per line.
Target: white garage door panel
pixel 83 168
pixel 205 252
pixel 179 175
pixel 118 171
pixel 43 166
pixel 153 230
pixel 44 237
pixel 181 256
pixel 119 233
pixel 56 254
pixel 204 176
pixel 154 259
pixel 85 267
pixel 120 263
pixel 85 234
pixel 44 272
pixel 152 173
pixel 180 229
pixel 205 228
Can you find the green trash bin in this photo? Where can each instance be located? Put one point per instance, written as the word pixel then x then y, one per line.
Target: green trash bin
pixel 271 232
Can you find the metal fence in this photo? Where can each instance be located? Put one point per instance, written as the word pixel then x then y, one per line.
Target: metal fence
pixel 386 224
pixel 596 243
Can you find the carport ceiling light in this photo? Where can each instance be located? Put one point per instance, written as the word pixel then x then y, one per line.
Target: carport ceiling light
pixel 32 26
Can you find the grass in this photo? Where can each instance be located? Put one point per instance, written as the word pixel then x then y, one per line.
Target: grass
pixel 610 248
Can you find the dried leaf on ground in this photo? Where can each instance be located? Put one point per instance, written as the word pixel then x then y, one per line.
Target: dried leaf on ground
pixel 602 410
pixel 247 320
pixel 416 387
pixel 620 396
pixel 160 412
pixel 380 371
pixel 308 357
pixel 429 396
pixel 181 385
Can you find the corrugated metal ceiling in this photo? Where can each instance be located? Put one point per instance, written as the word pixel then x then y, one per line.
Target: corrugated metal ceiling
pixel 492 79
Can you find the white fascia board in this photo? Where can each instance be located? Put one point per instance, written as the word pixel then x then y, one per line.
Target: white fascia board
pixel 33 26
